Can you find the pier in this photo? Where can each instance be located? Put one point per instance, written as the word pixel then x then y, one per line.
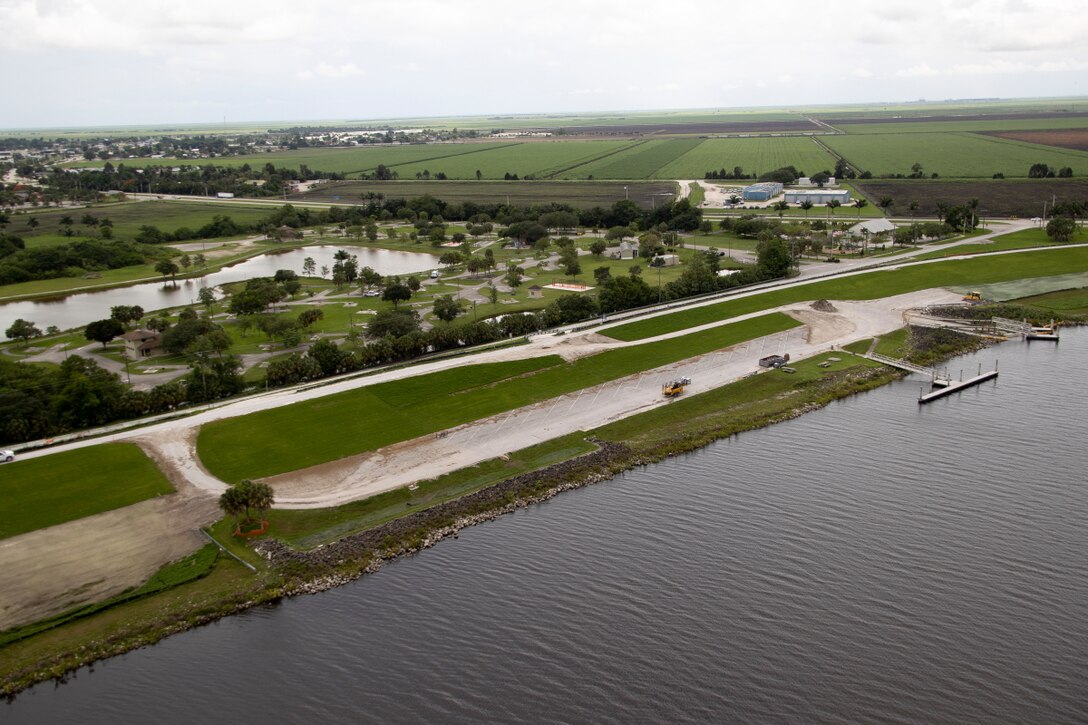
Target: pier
pixel 936 378
pixel 951 387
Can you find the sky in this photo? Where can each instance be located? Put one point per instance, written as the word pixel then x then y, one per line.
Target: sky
pixel 79 63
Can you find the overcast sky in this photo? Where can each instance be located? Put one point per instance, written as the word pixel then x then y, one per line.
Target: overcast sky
pixel 92 62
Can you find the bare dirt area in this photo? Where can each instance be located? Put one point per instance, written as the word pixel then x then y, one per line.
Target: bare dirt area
pixel 665 129
pixel 1003 198
pixel 1071 138
pixel 955 117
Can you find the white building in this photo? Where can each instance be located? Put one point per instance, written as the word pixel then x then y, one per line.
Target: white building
pixel 871 227
pixel 818 196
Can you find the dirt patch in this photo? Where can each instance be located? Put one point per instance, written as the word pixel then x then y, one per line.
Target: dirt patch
pixel 1007 198
pixel 1071 138
pixel 822 326
pixel 953 117
pixel 823 306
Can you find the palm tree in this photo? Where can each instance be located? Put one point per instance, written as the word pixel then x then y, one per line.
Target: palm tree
pixel 233 502
pixel 913 208
pixel 832 205
pixel 885 203
pixel 780 207
pixel 806 205
pixel 860 204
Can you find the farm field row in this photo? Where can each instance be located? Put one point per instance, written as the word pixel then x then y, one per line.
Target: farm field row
pixel 965 273
pixel 954 155
pixel 964 125
pixel 997 197
pixel 519 193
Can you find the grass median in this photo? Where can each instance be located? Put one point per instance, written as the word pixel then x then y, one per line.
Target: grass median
pixel 326 429
pixel 964 274
pixel 51 490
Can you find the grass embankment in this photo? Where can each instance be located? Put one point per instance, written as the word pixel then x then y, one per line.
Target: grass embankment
pixel 960 273
pixel 47 491
pixel 1066 302
pixel 305 529
pixel 1023 239
pixel 269 442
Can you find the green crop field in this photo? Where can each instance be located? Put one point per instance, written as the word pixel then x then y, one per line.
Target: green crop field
pixel 758 155
pixel 519 193
pixel 968 124
pixel 128 217
pixel 963 274
pixel 951 154
pixel 50 490
pixel 267 443
pixel 540 159
pixel 638 161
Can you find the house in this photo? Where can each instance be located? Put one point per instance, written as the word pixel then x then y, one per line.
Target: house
pixel 871 227
pixel 142 343
pixel 627 250
pixel 536 292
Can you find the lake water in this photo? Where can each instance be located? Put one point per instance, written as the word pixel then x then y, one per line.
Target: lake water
pixel 79 309
pixel 875 561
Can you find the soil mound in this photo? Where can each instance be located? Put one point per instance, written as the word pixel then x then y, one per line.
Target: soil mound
pixel 823 306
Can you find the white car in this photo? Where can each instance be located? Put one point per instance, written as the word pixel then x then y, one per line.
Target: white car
pixel 7 456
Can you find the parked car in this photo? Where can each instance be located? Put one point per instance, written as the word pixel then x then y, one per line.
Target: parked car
pixel 372 293
pixel 435 274
pixel 7 456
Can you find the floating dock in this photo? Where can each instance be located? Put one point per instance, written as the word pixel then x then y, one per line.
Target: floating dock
pixel 940 392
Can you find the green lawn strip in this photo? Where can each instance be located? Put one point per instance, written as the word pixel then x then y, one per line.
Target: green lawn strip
pixel 51 490
pixel 325 429
pixel 309 528
pixel 1023 239
pixel 743 405
pixel 859 347
pixel 953 273
pixel 894 344
pixel 190 568
pixel 1070 301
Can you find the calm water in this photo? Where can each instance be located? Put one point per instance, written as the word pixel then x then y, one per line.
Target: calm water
pixel 871 562
pixel 79 309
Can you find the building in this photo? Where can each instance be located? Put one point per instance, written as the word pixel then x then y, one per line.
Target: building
pixel 763 191
pixel 806 181
pixel 818 196
pixel 872 227
pixel 142 343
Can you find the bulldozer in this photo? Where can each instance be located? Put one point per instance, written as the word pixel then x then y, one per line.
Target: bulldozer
pixel 675 387
pixel 973 296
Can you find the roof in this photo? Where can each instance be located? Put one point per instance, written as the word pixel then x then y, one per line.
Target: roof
pixel 141 335
pixel 819 192
pixel 873 226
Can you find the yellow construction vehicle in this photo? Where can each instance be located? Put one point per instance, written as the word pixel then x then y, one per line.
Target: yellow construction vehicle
pixel 675 387
pixel 973 296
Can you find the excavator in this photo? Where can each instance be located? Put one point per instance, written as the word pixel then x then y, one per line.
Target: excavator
pixel 675 387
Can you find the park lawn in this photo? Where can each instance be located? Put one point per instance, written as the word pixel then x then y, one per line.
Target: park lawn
pixel 305 529
pixel 1023 239
pixel 732 408
pixel 267 443
pixel 960 273
pixel 51 490
pixel 1067 302
pixel 895 344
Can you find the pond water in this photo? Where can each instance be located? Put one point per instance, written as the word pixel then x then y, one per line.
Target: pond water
pixel 874 561
pixel 78 309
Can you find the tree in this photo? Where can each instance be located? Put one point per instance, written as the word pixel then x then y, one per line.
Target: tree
pixel 832 205
pixel 393 323
pixel 309 267
pixel 600 274
pixel 23 330
pixel 885 203
pixel 618 233
pixel 233 502
pixel 569 261
pixel 446 308
pixel 246 496
pixel 493 294
pixel 396 293
pixel 513 276
pixel 1039 171
pixel 167 268
pixel 126 313
pixel 597 247
pixel 807 205
pixel 780 207
pixel 206 295
pixel 308 318
pixel 860 204
pixel 1059 228
pixel 913 206
pixel 104 330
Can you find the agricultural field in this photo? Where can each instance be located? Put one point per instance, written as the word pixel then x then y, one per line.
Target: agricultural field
pixel 757 155
pixel 542 159
pixel 997 197
pixel 962 124
pixel 955 155
pixel 1070 138
pixel 127 218
pixel 638 161
pixel 518 193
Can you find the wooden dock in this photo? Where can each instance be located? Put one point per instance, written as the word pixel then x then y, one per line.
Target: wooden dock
pixel 941 392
